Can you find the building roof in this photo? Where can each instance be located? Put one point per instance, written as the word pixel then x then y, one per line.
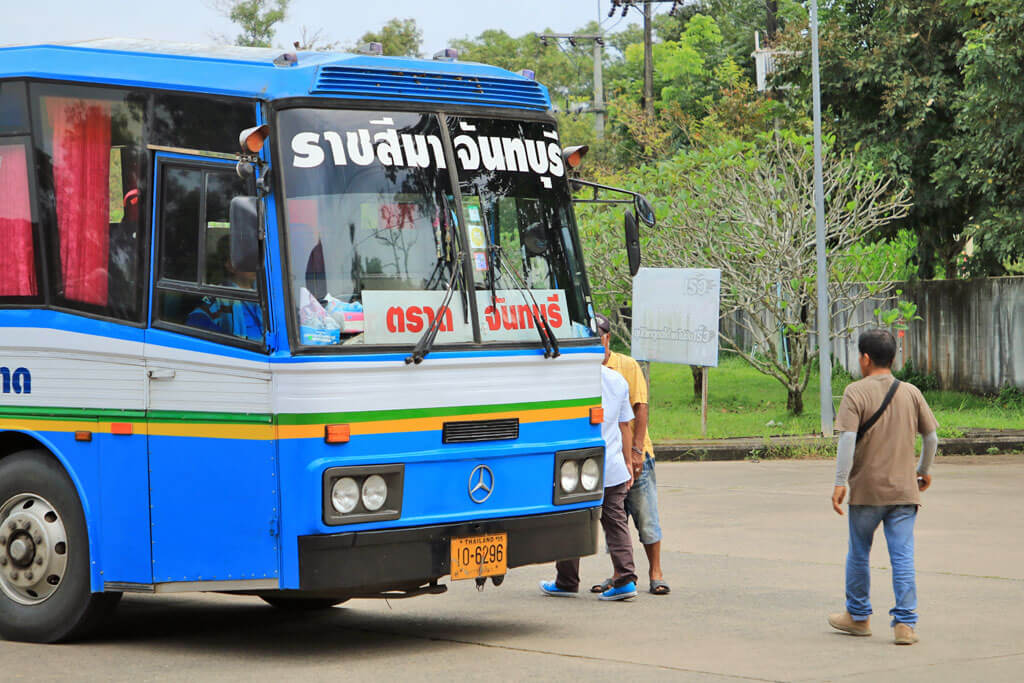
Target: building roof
pixel 263 74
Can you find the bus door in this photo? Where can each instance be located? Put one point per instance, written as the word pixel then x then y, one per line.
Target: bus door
pixel 212 456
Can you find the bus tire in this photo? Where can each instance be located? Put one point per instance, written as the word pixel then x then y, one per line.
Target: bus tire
pixel 45 594
pixel 290 604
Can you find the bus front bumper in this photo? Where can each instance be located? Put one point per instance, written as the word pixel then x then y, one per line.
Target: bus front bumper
pixel 364 562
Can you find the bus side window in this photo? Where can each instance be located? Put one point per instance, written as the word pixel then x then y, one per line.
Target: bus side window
pixel 198 290
pixel 89 143
pixel 19 280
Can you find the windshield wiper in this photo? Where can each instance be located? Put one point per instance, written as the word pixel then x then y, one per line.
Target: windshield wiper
pixel 426 342
pixel 547 336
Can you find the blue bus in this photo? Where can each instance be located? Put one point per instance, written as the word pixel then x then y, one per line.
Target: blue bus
pixel 305 327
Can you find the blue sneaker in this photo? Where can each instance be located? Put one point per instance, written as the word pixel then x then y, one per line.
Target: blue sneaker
pixel 549 588
pixel 621 593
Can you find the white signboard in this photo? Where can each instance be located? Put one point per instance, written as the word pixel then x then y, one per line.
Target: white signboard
pixel 401 317
pixel 512 319
pixel 675 315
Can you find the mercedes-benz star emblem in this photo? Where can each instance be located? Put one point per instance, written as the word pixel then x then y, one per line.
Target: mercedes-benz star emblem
pixel 481 483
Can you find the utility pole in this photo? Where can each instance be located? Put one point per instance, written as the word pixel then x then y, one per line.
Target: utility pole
pixel 824 308
pixel 599 89
pixel 648 63
pixel 597 108
pixel 647 102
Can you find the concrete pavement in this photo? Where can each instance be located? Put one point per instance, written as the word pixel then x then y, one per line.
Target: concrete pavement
pixel 755 558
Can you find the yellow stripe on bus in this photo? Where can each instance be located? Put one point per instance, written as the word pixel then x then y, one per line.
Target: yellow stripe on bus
pixel 210 430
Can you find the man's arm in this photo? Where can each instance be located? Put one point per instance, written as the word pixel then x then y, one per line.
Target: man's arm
pixel 929 445
pixel 624 430
pixel 641 411
pixel 844 463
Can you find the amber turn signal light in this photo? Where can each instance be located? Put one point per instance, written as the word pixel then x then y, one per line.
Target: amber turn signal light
pixel 251 139
pixel 83 436
pixel 574 155
pixel 337 434
pixel 596 415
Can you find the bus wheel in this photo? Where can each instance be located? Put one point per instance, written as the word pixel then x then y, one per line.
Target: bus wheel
pixel 301 604
pixel 44 554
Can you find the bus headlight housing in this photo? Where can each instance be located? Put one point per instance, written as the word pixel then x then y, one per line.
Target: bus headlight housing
pixel 570 475
pixel 375 492
pixel 363 493
pixel 578 475
pixel 345 495
pixel 590 474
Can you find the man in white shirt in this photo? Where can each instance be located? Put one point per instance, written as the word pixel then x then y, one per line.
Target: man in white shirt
pixel 617 480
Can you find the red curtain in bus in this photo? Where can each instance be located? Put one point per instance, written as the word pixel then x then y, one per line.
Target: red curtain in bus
pixel 81 179
pixel 17 255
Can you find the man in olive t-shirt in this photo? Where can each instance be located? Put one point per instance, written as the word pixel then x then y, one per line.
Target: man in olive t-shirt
pixel 884 484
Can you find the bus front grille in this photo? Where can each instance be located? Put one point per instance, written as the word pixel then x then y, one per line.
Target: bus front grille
pixel 481 430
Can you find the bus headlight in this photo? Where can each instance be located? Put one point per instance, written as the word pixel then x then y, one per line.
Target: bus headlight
pixel 345 495
pixel 590 474
pixel 570 475
pixel 375 492
pixel 362 493
pixel 579 475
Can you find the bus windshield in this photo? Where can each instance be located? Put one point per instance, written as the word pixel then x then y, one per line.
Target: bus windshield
pixel 373 237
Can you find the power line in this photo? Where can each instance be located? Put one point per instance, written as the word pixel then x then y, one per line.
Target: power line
pixel 575 39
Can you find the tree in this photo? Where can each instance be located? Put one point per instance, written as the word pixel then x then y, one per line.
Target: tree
pixel 400 38
pixel 256 18
pixel 930 88
pixel 754 221
pixel 991 141
pixel 745 207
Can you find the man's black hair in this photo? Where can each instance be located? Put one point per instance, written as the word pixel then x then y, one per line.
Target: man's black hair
pixel 880 346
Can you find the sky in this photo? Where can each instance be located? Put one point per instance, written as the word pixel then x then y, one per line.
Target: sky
pixel 196 21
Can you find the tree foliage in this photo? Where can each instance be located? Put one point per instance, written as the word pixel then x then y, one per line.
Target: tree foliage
pixel 745 207
pixel 256 19
pixel 400 38
pixel 930 89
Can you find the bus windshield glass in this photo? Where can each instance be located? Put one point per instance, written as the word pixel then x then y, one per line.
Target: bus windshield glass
pixel 521 228
pixel 373 239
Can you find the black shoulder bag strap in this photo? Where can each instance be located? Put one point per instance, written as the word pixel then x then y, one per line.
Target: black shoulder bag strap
pixel 881 409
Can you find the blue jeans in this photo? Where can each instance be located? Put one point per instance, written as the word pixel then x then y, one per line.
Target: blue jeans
pixel 898 523
pixel 642 504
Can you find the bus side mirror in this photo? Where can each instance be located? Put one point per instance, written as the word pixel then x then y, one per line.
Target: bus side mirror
pixel 644 210
pixel 244 215
pixel 632 242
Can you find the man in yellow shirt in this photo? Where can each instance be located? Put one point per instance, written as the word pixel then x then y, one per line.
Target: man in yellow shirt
pixel 642 499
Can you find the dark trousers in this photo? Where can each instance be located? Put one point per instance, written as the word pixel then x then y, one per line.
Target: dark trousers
pixel 616 537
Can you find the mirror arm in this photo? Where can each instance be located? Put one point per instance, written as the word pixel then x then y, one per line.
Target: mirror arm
pixel 599 186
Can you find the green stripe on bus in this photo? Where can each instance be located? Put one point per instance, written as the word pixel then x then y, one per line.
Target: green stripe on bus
pixel 405 414
pixel 102 414
pixel 48 413
pixel 171 416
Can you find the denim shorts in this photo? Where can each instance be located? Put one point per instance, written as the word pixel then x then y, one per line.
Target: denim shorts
pixel 642 504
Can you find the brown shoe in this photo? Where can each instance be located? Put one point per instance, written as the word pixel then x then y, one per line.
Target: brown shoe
pixel 903 634
pixel 845 623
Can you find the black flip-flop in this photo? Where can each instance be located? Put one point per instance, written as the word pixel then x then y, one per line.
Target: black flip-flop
pixel 602 587
pixel 659 587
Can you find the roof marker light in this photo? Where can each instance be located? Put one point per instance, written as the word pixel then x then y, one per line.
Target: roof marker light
pixel 251 139
pixel 449 54
pixel 376 49
pixel 286 59
pixel 528 74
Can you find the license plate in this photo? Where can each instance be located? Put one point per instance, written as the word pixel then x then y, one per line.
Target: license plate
pixel 478 556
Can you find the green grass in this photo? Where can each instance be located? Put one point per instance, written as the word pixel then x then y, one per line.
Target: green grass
pixel 743 402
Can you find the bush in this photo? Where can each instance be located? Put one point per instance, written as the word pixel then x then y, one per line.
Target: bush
pixel 923 381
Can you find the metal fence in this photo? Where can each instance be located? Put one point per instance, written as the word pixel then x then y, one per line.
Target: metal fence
pixel 971 335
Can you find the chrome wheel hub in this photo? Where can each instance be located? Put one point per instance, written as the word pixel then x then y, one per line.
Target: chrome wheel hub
pixel 33 549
